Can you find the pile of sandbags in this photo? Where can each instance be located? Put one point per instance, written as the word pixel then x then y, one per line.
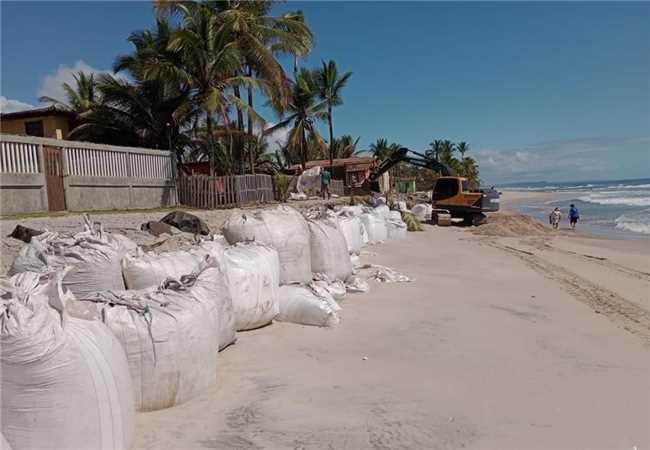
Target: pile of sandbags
pixel 65 382
pixel 93 255
pixel 307 305
pixel 329 250
pixel 284 229
pixel 171 334
pixel 142 270
pixel 254 275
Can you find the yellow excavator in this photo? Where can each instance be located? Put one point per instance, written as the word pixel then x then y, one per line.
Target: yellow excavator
pixel 452 197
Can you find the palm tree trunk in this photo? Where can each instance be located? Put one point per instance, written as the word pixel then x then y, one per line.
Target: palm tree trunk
pixel 303 149
pixel 211 155
pixel 251 153
pixel 240 129
pixel 329 120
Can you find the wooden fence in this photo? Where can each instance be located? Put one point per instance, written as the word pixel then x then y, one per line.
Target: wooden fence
pixel 202 191
pixel 337 187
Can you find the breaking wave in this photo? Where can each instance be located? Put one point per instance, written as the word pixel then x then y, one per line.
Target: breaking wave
pixel 623 201
pixel 636 224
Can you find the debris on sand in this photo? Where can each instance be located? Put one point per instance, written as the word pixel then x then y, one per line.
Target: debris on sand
pixel 186 222
pixel 24 234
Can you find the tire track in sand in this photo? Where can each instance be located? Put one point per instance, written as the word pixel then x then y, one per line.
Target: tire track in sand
pixel 618 309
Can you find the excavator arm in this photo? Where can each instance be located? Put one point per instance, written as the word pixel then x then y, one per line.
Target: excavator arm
pixel 402 155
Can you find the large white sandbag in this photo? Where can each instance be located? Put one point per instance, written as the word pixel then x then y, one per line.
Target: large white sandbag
pixel 351 210
pixel 351 229
pixel 375 227
pixel 4 445
pixel 93 255
pixel 284 229
pixel 306 306
pixel 381 211
pixel 171 335
pixel 396 228
pixel 65 382
pixel 254 275
pixel 422 211
pixel 329 250
pixel 394 215
pixel 144 270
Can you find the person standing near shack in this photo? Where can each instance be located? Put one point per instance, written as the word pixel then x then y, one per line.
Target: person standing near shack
pixel 574 215
pixel 325 180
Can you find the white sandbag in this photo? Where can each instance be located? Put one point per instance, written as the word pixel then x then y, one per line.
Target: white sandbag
pixel 254 275
pixel 378 201
pixel 329 250
pixel 356 284
pixel 171 335
pixel 305 306
pixel 351 229
pixel 309 182
pixel 4 445
pixel 381 211
pixel 396 229
pixel 351 210
pixel 422 211
pixel 401 206
pixel 336 289
pixel 365 239
pixel 284 229
pixel 93 255
pixel 65 382
pixel 394 215
pixel 144 270
pixel 375 227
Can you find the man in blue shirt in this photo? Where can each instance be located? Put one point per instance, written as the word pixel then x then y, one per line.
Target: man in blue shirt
pixel 574 215
pixel 325 180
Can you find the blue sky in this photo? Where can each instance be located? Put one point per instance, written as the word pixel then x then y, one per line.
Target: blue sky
pixel 546 91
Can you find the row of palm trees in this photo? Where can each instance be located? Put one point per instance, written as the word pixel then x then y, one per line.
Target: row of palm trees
pixel 190 85
pixel 442 150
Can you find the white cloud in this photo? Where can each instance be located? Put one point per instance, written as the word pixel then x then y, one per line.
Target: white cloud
pixel 52 84
pixel 8 105
pixel 557 161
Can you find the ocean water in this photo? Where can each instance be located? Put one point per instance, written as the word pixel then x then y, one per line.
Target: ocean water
pixel 615 209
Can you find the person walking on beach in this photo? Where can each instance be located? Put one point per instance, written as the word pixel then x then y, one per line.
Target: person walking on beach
pixel 574 215
pixel 325 180
pixel 554 218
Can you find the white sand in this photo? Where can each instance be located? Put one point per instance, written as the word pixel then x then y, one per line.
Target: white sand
pixel 540 340
pixel 486 349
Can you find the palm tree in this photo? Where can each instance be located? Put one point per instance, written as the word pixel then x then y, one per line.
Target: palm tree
pixel 150 113
pixel 210 64
pixel 345 146
pixel 447 149
pixel 302 113
pixel 434 152
pixel 330 86
pixel 462 148
pixel 79 98
pixel 469 168
pixel 381 149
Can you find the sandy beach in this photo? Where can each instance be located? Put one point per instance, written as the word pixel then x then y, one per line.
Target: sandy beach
pixel 512 336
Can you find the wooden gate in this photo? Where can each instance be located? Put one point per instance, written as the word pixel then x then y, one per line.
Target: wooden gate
pixel 54 177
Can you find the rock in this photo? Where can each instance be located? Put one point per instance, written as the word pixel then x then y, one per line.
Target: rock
pixel 24 234
pixel 157 228
pixel 186 222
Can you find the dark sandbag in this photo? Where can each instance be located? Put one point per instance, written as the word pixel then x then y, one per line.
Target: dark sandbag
pixel 157 228
pixel 24 234
pixel 186 222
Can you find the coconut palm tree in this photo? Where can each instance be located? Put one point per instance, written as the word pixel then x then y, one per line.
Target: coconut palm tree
pixel 446 154
pixel 330 85
pixel 381 149
pixel 462 148
pixel 151 113
pixel 434 152
pixel 345 146
pixel 79 98
pixel 302 113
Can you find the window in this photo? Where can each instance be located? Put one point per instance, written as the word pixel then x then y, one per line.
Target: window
pixel 466 186
pixel 445 188
pixel 34 128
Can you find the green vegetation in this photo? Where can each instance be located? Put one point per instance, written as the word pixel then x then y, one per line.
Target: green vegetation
pixel 282 186
pixel 191 83
pixel 411 221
